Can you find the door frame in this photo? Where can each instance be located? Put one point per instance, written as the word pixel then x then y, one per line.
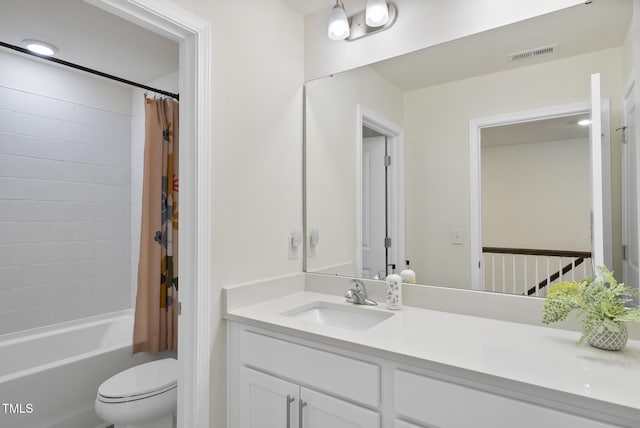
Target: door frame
pixel 195 246
pixel 628 97
pixel 395 144
pixel 475 176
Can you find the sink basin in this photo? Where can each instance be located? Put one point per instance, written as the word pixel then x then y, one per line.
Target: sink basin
pixel 335 315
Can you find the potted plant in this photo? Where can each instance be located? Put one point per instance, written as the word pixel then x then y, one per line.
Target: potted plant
pixel 601 304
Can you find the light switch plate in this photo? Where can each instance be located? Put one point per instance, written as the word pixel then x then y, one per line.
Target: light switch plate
pixel 456 237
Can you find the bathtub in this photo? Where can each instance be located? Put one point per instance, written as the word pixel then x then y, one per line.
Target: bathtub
pixel 49 376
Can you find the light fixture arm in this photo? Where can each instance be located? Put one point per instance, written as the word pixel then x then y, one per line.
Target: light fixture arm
pixel 360 29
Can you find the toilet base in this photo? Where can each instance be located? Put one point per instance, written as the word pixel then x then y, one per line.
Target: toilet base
pixel 166 422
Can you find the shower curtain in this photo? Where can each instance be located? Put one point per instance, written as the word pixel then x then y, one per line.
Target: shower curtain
pixel 156 314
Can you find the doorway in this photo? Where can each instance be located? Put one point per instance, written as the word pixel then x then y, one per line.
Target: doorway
pixel 600 199
pixel 380 175
pixel 194 334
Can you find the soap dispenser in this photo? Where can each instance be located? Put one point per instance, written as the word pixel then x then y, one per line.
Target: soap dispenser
pixel 394 291
pixel 408 275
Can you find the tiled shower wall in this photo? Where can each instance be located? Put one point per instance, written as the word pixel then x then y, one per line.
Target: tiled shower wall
pixel 65 210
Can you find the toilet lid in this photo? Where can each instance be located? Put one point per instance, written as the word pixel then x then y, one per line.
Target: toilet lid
pixel 144 379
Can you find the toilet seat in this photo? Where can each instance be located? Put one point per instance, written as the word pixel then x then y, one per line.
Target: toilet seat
pixel 140 382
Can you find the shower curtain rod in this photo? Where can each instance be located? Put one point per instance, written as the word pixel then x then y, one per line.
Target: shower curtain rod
pixel 89 70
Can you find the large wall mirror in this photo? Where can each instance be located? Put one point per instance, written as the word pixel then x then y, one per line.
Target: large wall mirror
pixel 467 158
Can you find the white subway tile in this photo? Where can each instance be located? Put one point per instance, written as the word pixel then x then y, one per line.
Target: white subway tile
pixel 11 188
pixel 11 277
pixel 11 99
pixel 84 231
pixel 84 250
pixel 85 269
pixel 23 254
pixel 62 151
pixel 50 272
pixel 75 133
pixel 6 121
pixel 89 154
pixel 6 210
pixel 38 105
pixel 50 128
pixel 96 136
pixel 4 301
pixel 107 119
pixel 86 288
pixel 55 252
pixel 23 298
pixel 21 320
pixel 86 115
pixel 63 110
pixel 65 311
pixel 61 231
pixel 76 211
pixel 25 124
pixel 24 145
pixel 112 230
pixel 112 175
pixel 123 123
pixel 80 173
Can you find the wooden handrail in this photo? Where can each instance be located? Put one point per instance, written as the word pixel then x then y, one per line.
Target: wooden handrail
pixel 537 252
pixel 542 284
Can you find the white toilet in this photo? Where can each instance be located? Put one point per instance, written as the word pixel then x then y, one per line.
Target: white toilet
pixel 144 396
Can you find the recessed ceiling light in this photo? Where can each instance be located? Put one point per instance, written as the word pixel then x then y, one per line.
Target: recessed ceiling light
pixel 584 122
pixel 39 47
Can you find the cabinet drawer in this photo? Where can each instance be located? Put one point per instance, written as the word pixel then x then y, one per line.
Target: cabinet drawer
pixel 342 376
pixel 442 404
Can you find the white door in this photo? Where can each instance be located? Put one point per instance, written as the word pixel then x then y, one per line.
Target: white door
pixel 373 206
pixel 600 180
pixel 323 411
pixel 268 402
pixel 631 256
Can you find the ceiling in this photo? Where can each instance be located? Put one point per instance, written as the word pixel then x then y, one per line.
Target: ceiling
pixel 545 130
pixel 97 39
pixel 575 30
pixel 91 37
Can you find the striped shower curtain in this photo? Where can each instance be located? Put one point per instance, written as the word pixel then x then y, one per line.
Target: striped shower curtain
pixel 156 315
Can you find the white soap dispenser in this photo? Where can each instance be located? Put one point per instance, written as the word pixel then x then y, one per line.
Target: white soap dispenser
pixel 408 275
pixel 394 290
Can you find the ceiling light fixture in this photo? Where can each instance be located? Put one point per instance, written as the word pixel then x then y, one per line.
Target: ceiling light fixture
pixel 39 47
pixel 378 16
pixel 584 122
pixel 338 22
pixel 377 13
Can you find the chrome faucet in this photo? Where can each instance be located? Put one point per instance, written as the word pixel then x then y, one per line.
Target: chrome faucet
pixel 358 294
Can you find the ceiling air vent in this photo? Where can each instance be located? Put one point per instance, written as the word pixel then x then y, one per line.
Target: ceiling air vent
pixel 532 53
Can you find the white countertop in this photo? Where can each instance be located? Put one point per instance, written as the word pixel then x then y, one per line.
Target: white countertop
pixel 539 356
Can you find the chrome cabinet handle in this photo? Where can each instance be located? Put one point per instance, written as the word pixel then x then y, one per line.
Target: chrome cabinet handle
pixel 301 403
pixel 290 400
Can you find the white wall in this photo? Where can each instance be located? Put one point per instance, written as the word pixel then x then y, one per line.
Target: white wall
pixel 437 149
pixel 65 173
pixel 257 68
pixel 537 195
pixel 331 159
pixel 420 23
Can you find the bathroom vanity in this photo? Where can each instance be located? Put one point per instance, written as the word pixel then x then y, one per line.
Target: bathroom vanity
pixel 309 359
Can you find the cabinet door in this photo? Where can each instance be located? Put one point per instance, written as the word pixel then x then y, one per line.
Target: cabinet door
pixel 322 411
pixel 267 402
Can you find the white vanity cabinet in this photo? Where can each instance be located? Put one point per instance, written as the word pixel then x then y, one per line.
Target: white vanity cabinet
pixel 276 380
pixel 281 384
pixel 436 403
